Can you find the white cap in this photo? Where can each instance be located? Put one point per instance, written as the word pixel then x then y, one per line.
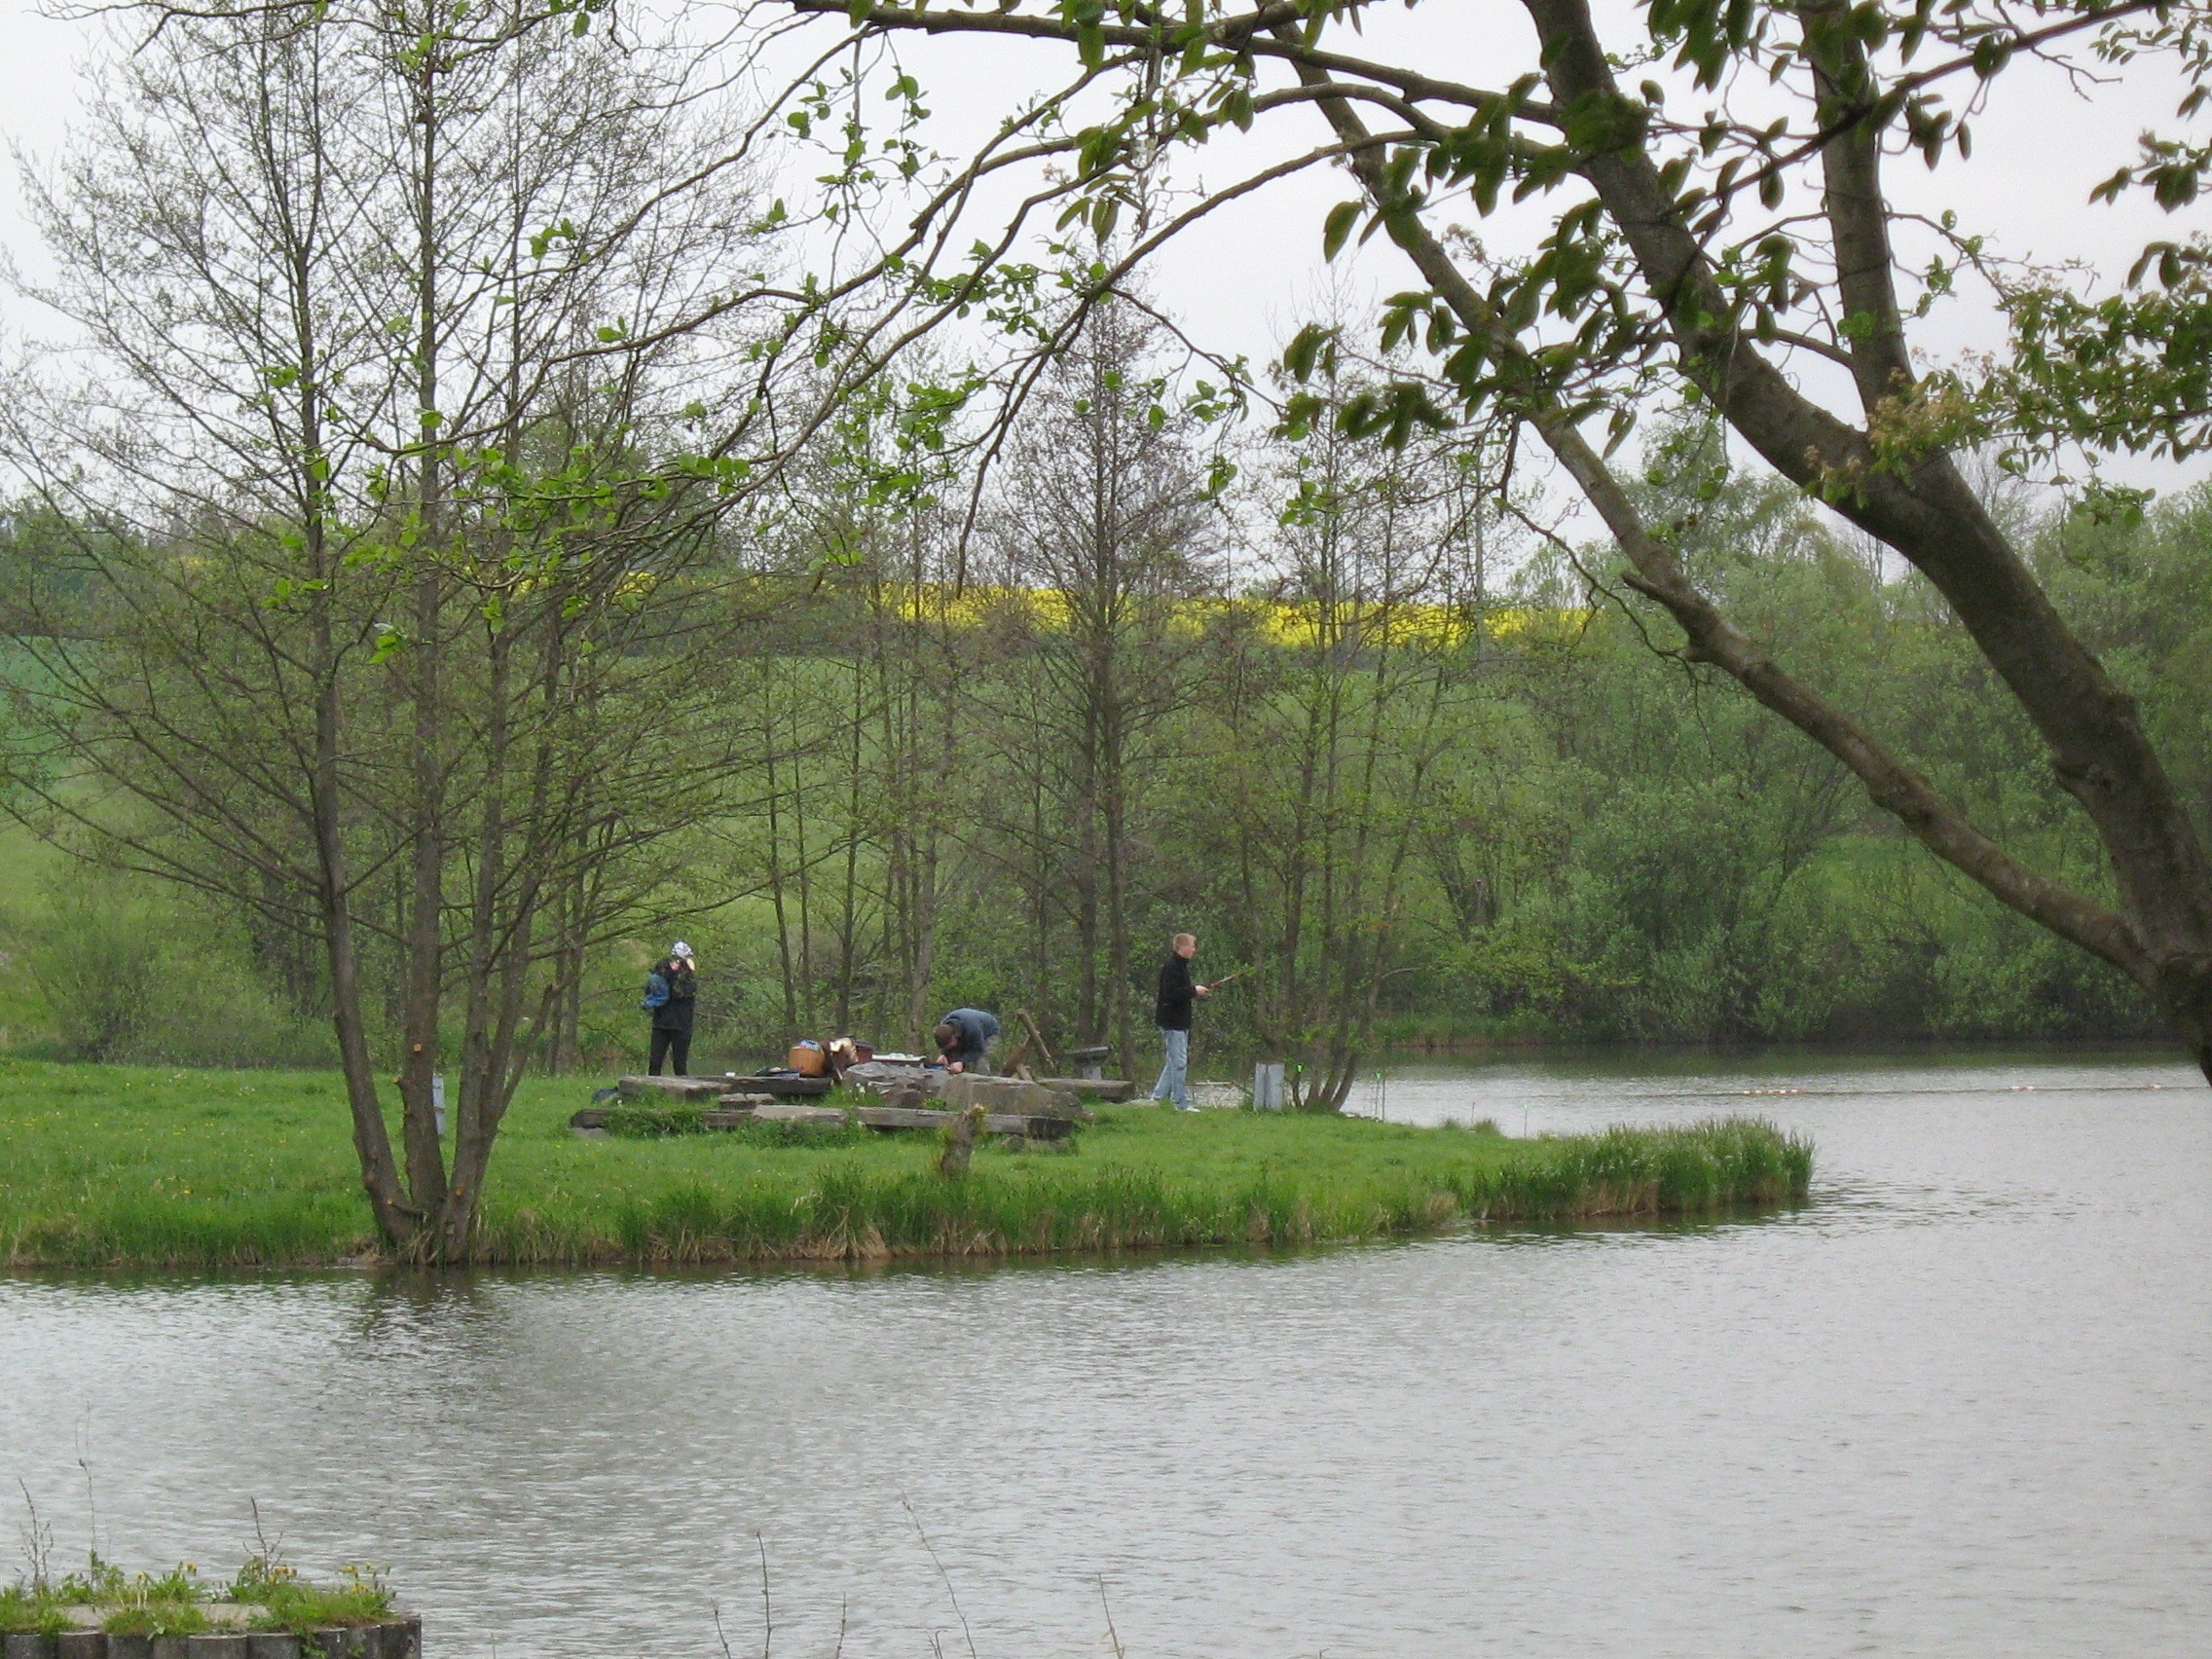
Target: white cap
pixel 680 948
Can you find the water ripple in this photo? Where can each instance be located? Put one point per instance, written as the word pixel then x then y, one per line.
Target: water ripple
pixel 1960 1403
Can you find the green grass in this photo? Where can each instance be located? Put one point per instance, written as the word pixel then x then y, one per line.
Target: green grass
pixel 284 1601
pixel 116 1166
pixel 177 1602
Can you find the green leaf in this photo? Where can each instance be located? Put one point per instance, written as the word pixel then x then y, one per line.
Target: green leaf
pixel 1337 230
pixel 1304 349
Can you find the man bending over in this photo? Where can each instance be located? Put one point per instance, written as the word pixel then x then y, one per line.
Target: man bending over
pixel 964 1038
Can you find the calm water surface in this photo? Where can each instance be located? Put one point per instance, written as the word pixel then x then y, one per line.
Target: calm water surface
pixel 1957 1406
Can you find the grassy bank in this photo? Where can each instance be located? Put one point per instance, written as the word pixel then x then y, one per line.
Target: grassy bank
pixel 114 1166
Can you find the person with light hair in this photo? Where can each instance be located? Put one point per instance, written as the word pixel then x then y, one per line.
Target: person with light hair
pixel 1172 1012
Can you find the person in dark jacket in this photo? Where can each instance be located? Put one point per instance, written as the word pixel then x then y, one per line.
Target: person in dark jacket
pixel 964 1038
pixel 1172 1012
pixel 678 973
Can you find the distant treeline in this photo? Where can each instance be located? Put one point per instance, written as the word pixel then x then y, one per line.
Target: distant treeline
pixel 1401 833
pixel 1432 776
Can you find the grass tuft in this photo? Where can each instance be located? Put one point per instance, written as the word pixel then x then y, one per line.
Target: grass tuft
pixel 156 1618
pixel 176 1603
pixel 284 1601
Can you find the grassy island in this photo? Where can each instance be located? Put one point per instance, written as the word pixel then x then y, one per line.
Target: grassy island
pixel 114 1166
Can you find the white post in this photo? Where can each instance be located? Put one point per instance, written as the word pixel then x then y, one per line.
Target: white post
pixel 1267 1087
pixel 439 1101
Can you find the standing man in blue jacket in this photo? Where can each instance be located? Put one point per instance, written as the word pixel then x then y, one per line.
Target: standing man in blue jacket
pixel 1172 1012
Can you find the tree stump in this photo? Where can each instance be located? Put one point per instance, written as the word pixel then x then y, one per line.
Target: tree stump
pixel 960 1142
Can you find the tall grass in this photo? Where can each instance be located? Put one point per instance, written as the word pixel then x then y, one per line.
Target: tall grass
pixel 853 1208
pixel 111 1167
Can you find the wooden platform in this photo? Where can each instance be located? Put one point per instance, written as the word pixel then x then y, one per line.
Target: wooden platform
pixel 686 1089
pixel 591 1121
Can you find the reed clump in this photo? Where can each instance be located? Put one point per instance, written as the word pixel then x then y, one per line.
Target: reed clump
pixel 117 1167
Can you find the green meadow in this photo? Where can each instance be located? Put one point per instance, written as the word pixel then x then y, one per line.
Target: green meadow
pixel 120 1166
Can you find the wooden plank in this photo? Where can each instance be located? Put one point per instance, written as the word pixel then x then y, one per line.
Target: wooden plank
pixel 825 1117
pixel 1013 1063
pixel 1104 1087
pixel 727 1117
pixel 671 1087
pixel 783 1088
pixel 902 1118
pixel 994 1123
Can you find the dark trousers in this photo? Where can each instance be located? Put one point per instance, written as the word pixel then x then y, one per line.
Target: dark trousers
pixel 671 1045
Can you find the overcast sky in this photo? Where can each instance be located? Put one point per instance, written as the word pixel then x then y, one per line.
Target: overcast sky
pixel 1244 279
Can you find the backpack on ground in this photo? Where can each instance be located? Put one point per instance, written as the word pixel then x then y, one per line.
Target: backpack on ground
pixel 656 992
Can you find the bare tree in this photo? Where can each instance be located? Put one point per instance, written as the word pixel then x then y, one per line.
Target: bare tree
pixel 1100 513
pixel 1346 712
pixel 384 617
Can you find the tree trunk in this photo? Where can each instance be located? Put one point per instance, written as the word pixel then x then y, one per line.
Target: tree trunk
pixel 2096 742
pixel 2162 937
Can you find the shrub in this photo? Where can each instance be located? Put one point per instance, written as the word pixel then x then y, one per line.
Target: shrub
pixel 131 974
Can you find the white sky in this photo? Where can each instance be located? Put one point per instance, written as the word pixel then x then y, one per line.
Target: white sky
pixel 1242 280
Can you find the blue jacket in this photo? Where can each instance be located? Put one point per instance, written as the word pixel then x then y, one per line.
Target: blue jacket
pixel 977 1031
pixel 674 1015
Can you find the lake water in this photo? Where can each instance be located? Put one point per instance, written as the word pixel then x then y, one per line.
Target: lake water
pixel 1959 1405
